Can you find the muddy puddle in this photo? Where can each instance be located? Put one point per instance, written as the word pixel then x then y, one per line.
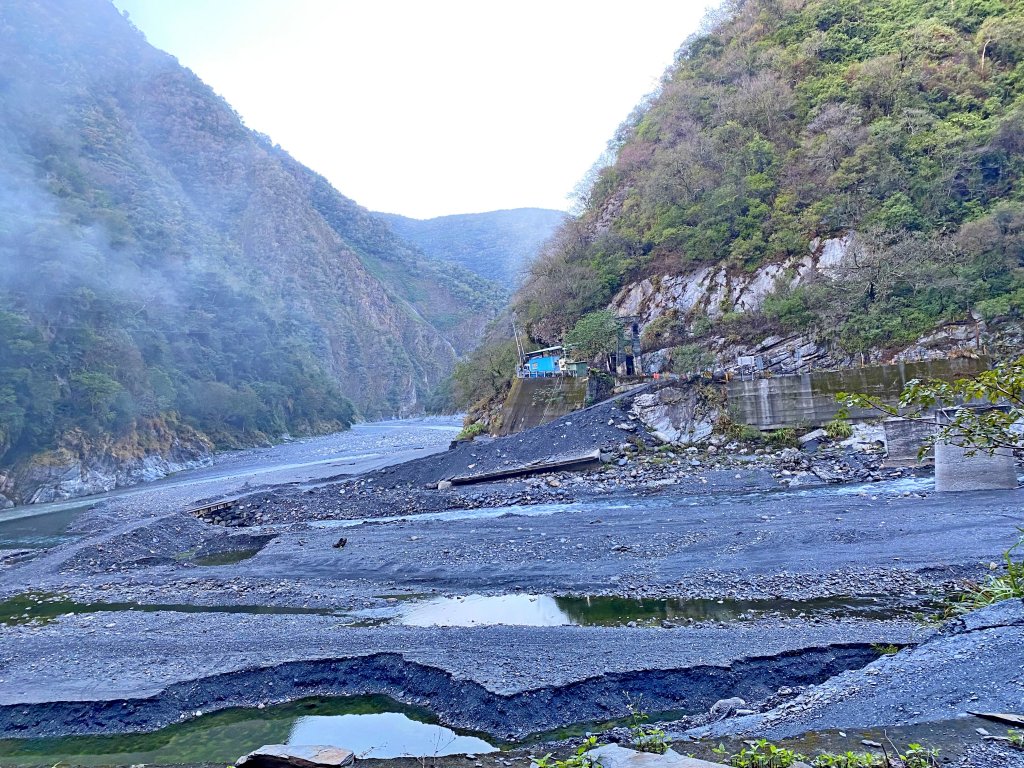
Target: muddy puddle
pixel 604 611
pixel 45 608
pixel 523 610
pixel 371 726
pixel 229 557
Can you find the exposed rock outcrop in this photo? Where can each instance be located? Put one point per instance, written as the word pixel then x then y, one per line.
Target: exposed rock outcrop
pixel 712 291
pixel 83 465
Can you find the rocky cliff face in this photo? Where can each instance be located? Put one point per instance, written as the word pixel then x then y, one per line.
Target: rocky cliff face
pixel 714 291
pixel 82 465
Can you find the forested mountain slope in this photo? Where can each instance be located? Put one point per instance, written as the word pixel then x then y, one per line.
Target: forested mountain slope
pixel 166 272
pixel 847 172
pixel 497 245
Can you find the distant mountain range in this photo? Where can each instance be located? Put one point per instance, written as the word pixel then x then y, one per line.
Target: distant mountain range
pixel 498 245
pixel 166 270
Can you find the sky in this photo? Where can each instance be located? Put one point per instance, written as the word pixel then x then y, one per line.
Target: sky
pixel 431 107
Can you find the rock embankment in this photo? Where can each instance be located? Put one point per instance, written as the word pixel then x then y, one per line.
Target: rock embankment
pixel 635 461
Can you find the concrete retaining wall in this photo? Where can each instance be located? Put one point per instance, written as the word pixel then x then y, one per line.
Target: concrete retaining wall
pixel 810 398
pixel 533 402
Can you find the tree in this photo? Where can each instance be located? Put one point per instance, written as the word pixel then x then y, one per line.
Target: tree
pixel 595 333
pixel 997 396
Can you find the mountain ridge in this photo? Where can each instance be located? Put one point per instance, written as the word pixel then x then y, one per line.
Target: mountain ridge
pixel 163 268
pixel 497 245
pixel 844 176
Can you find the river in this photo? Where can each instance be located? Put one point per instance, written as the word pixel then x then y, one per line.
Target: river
pixel 307 461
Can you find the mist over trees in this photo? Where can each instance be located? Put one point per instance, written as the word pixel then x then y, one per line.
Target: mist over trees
pixel 498 245
pixel 160 263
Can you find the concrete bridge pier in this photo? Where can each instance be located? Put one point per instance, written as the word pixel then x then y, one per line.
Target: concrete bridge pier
pixel 955 470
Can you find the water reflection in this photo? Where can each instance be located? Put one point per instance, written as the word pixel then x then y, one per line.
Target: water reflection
pixel 385 735
pixel 371 726
pixel 477 610
pixel 549 611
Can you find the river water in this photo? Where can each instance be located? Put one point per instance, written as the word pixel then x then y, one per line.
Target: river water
pixel 363 448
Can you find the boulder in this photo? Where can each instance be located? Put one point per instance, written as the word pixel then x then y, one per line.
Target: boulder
pixel 726 707
pixel 296 756
pixel 812 440
pixel 614 756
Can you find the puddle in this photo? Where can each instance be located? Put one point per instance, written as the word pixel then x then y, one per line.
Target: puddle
pixel 23 531
pixel 229 557
pixel 533 510
pixel 549 611
pixel 524 610
pixel 371 726
pixel 45 608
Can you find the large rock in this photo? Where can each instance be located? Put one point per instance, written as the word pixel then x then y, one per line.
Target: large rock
pixel 676 414
pixel 289 756
pixel 614 756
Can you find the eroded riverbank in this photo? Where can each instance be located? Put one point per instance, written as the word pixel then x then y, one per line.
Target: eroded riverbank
pixel 501 614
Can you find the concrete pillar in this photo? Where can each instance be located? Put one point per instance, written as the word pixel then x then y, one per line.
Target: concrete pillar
pixel 956 471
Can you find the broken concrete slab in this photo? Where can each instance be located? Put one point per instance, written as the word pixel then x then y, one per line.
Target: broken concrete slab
pixel 566 463
pixel 614 756
pixel 296 756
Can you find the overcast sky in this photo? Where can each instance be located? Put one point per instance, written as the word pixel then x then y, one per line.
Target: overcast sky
pixel 430 107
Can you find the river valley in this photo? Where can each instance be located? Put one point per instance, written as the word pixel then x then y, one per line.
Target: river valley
pixel 136 632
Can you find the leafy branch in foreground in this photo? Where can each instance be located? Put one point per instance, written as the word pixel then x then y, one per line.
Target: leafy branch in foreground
pixel 978 429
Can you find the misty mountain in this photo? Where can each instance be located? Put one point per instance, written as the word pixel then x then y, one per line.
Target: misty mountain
pixel 498 245
pixel 164 267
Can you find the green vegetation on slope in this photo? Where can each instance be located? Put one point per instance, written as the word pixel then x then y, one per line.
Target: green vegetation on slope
pixel 498 245
pixel 162 264
pixel 788 120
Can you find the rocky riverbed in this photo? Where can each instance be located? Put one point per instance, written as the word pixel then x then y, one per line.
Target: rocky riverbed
pixel 680 575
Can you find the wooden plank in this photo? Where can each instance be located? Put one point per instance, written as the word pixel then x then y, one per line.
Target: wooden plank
pixel 1000 717
pixel 567 464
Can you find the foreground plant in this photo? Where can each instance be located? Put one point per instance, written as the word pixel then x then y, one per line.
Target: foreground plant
pixel 1015 738
pixel 579 759
pixel 918 756
pixel 761 754
pixel 848 760
pixel 646 738
pixel 997 587
pixel 764 754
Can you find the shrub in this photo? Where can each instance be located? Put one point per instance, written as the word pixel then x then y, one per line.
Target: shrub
pixel 783 438
pixel 1002 587
pixel 838 429
pixel 688 358
pixel 471 430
